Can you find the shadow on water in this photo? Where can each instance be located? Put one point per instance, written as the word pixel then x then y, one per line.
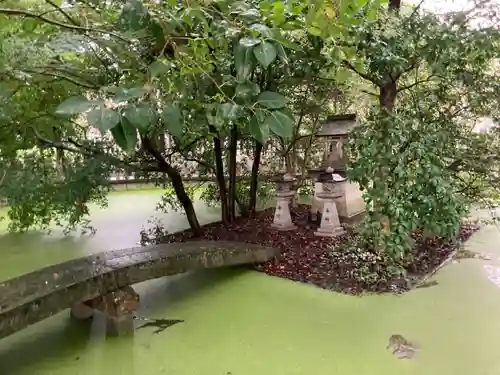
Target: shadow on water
pixel 65 340
pixel 70 339
pixel 164 292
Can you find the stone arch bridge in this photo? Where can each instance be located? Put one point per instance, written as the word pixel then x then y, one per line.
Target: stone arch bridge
pixel 102 282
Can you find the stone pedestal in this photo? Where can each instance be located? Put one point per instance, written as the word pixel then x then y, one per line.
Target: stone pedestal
pixel 118 308
pixel 282 218
pixel 317 203
pixel 330 223
pixel 119 325
pixel 284 192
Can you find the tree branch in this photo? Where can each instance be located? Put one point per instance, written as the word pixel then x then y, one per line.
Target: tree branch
pixel 66 15
pixel 184 148
pixel 415 84
pixel 63 77
pixel 3 177
pixel 200 162
pixel 163 165
pixel 88 152
pixel 351 67
pixel 27 14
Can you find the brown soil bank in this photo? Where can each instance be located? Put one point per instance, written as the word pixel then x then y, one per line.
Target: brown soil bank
pixel 324 261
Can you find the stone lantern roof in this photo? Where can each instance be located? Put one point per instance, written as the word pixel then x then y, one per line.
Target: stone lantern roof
pixel 337 126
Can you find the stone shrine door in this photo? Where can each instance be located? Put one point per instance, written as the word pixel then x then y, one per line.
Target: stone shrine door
pixel 334 151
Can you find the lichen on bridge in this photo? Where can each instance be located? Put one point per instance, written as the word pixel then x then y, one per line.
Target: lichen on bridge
pixel 40 294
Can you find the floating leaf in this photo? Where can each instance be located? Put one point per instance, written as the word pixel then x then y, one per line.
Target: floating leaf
pixel 103 119
pixel 125 135
pixel 172 118
pixel 140 116
pixel 271 100
pixel 265 54
pixel 259 130
pixel 243 61
pixel 280 124
pixel 74 105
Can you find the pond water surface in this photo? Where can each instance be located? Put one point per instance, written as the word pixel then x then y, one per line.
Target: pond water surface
pixel 245 323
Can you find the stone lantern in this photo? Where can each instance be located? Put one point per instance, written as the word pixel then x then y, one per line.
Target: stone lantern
pixel 330 223
pixel 284 192
pixel 333 132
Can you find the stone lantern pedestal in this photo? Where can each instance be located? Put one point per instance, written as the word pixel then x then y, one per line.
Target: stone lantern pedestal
pixel 330 223
pixel 284 192
pixel 317 203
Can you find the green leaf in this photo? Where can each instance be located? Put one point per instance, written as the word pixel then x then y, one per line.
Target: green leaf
pixel 141 116
pixel 172 118
pixel 125 135
pixel 261 29
pixel 246 90
pixel 280 124
pixel 123 94
pixel 243 61
pixel 74 105
pixel 271 100
pixel 134 16
pixel 249 42
pixel 288 112
pixel 230 111
pixel 287 43
pixel 157 68
pixel 103 119
pixel 259 130
pixel 265 54
pixel 281 52
pixel 30 25
pixel 314 30
pixel 250 13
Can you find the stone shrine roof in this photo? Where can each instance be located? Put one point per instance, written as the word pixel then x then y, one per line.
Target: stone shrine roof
pixel 337 126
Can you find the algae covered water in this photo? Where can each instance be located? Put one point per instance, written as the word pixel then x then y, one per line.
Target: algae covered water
pixel 242 322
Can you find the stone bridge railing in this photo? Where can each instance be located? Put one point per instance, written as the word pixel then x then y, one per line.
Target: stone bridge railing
pixel 101 282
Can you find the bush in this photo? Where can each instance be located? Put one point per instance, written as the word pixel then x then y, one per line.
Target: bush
pixel 368 265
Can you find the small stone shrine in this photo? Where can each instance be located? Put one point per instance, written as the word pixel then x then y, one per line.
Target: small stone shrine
pixel 349 201
pixel 284 193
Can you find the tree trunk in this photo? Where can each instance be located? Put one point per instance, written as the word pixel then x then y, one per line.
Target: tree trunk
pixel 219 176
pixel 61 163
pixel 233 150
pixel 177 184
pixel 161 143
pixel 254 178
pixel 395 5
pixel 387 95
pixel 186 202
pixel 387 99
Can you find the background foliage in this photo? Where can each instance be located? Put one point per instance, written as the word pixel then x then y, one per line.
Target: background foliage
pixel 234 92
